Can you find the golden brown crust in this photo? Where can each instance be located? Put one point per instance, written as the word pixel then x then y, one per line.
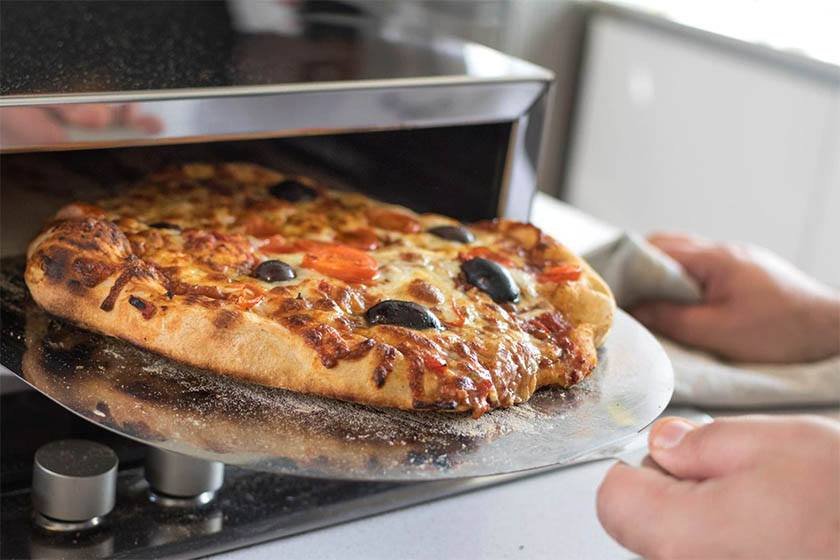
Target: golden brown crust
pixel 188 293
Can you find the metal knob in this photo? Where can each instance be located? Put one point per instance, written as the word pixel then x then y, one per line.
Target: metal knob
pixel 181 480
pixel 74 484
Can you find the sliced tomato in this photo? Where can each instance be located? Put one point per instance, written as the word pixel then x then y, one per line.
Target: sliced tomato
pixel 486 253
pixel 393 220
pixel 560 273
pixel 362 238
pixel 340 261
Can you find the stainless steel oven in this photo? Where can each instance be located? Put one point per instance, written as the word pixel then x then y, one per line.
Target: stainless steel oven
pixel 95 94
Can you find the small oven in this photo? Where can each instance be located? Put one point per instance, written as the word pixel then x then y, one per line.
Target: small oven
pixel 96 94
pixel 107 92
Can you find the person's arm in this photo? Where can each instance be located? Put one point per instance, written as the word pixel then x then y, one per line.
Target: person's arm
pixel 756 307
pixel 748 487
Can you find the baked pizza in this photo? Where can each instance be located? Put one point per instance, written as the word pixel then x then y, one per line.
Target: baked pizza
pixel 278 280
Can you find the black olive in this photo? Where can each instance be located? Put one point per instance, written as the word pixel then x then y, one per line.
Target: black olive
pixel 274 271
pixel 137 302
pixel 492 278
pixel 453 233
pixel 402 313
pixel 165 225
pixel 293 191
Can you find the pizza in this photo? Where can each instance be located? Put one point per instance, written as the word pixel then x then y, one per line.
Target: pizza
pixel 278 280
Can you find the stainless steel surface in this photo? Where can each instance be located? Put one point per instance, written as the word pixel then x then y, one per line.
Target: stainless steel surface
pixel 224 80
pixel 248 115
pixel 521 168
pixel 180 476
pixel 65 526
pixel 188 502
pixel 182 409
pixel 74 480
pixel 234 83
pixel 634 451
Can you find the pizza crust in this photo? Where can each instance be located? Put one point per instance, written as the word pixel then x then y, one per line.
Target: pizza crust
pixel 74 265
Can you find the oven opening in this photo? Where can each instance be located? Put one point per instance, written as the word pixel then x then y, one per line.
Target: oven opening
pixel 457 171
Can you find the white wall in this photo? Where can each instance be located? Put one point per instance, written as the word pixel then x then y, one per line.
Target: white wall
pixel 676 133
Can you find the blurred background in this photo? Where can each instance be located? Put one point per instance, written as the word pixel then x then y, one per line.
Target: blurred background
pixel 720 118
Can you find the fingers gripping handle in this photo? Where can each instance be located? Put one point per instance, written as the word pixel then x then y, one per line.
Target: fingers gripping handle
pixel 635 452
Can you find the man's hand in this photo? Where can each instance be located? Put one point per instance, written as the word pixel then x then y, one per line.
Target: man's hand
pixel 756 307
pixel 748 487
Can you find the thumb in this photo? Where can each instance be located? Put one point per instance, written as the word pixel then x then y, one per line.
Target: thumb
pixel 689 451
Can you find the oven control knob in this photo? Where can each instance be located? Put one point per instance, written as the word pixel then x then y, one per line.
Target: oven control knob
pixel 74 484
pixel 180 480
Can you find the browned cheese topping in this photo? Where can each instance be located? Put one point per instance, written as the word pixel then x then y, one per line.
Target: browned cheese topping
pixel 469 306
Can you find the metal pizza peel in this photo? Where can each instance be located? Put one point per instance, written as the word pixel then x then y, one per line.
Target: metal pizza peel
pixel 162 403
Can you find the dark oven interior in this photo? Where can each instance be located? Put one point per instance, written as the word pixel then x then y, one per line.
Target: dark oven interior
pixel 457 171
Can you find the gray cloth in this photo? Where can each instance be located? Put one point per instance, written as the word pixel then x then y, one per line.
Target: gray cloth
pixel 636 271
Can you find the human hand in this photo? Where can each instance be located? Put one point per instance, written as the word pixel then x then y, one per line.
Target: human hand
pixel 748 487
pixel 756 307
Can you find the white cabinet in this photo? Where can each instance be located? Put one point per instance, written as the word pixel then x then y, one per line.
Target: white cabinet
pixel 675 132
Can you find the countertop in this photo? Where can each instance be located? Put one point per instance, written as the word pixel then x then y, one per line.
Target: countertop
pixel 551 515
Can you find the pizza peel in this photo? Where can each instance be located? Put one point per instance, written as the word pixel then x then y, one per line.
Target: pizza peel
pixel 156 401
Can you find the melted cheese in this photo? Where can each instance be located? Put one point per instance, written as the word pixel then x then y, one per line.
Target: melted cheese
pixel 486 356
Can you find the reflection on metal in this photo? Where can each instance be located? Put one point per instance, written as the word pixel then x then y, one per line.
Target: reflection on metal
pixel 181 502
pixel 191 524
pixel 247 116
pixel 190 411
pixel 65 526
pixel 72 545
